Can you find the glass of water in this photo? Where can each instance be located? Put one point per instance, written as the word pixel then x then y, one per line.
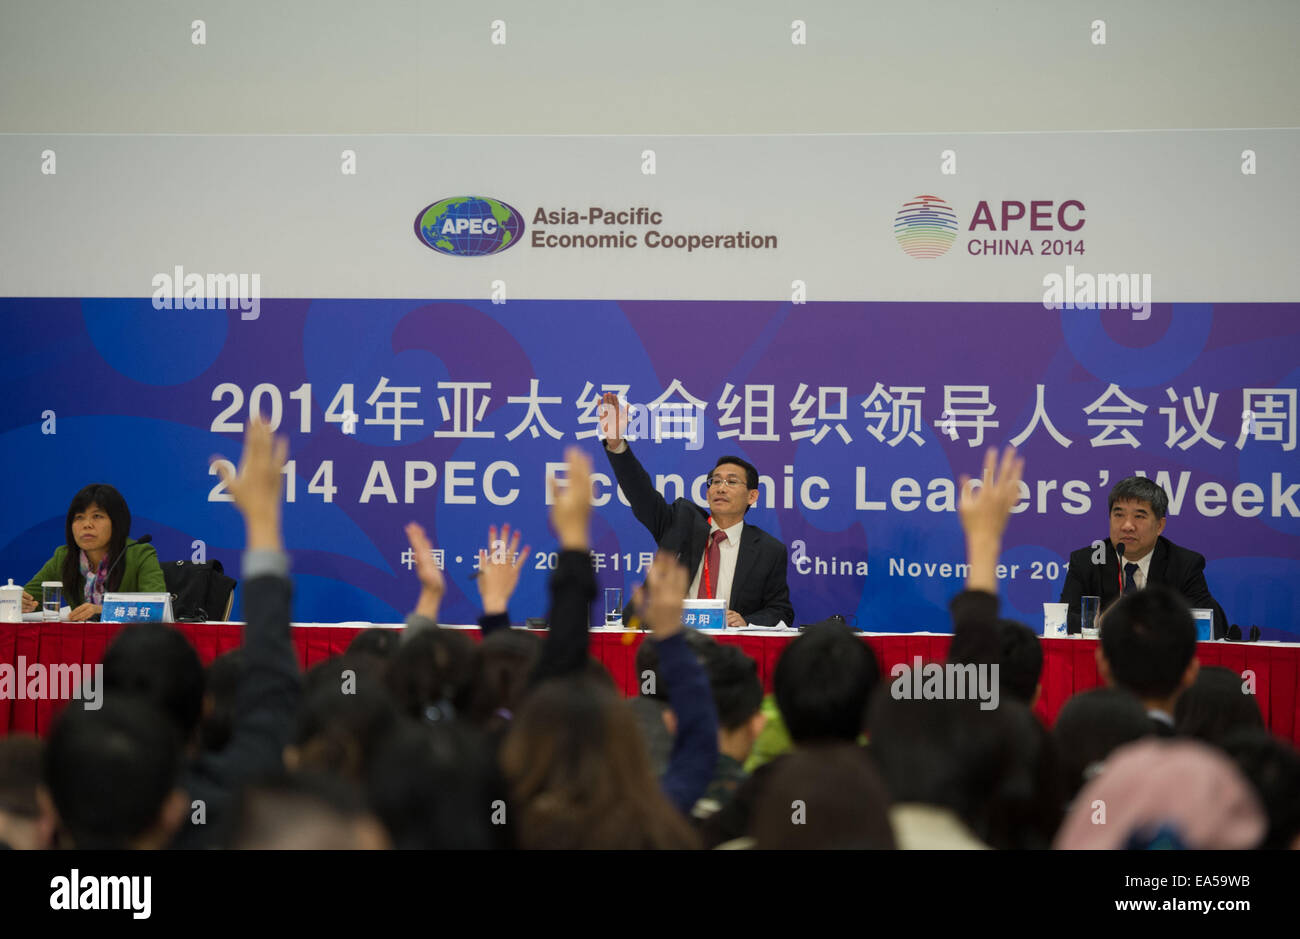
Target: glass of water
pixel 51 599
pixel 1089 607
pixel 613 606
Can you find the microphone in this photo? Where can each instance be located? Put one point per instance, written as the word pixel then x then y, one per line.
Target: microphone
pixel 143 539
pixel 1119 553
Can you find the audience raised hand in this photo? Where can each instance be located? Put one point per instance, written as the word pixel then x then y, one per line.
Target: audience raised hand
pixel 665 590
pixel 984 511
pixel 571 503
pixel 499 566
pixel 432 584
pixel 257 488
pixel 411 734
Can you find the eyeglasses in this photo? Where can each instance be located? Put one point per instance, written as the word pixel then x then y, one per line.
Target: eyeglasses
pixel 731 482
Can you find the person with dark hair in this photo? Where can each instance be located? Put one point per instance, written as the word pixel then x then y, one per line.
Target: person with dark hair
pixel 342 722
pixel 649 714
pixel 940 759
pixel 961 775
pixel 438 787
pixel 728 559
pixel 577 769
pixel 374 649
pixel 98 557
pixel 1090 726
pixel 1137 507
pixel 434 674
pixel 650 682
pixel 824 797
pixel 823 684
pixel 738 697
pixel 1014 648
pixel 1148 647
pixel 1272 766
pixel 566 651
pixel 964 777
pixel 304 812
pixel 1026 807
pixel 507 657
pixel 579 775
pixel 737 694
pixel 20 777
pixel 158 663
pixel 111 777
pixel 220 682
pixel 1215 704
pixel 270 684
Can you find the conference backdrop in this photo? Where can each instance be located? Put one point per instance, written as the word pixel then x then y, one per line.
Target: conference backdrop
pixel 432 321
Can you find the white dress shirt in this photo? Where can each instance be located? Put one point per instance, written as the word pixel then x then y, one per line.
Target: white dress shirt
pixel 1140 575
pixel 727 551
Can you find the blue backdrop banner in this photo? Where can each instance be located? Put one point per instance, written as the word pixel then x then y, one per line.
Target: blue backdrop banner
pixel 859 417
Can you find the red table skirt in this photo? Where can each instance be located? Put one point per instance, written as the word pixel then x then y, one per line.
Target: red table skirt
pixel 1069 665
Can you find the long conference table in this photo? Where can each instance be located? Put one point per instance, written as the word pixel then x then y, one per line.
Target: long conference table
pixel 1069 665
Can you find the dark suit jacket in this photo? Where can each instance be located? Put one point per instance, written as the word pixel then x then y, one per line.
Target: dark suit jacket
pixel 759 591
pixel 266 705
pixel 1178 568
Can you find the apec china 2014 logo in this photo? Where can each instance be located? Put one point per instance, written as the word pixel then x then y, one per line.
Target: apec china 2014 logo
pixel 925 227
pixel 469 226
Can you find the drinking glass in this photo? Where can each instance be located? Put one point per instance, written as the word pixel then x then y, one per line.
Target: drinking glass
pixel 1089 607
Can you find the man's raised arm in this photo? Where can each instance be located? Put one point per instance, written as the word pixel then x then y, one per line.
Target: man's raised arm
pixel 648 505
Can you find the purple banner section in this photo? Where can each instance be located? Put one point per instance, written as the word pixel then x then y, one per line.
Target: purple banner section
pixel 859 416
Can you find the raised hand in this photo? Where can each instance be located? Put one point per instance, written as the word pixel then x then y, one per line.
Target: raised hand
pixel 571 508
pixel 613 419
pixel 984 513
pixel 665 587
pixel 432 585
pixel 257 489
pixel 498 569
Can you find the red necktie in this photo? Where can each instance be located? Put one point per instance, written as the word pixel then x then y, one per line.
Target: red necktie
pixel 712 565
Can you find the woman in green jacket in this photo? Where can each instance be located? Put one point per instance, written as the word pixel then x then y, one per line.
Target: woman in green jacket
pixel 99 557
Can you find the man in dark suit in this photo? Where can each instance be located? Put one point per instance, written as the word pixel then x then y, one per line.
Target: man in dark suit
pixel 728 559
pixel 1137 509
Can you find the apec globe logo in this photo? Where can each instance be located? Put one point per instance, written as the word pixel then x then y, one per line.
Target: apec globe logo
pixel 925 227
pixel 469 226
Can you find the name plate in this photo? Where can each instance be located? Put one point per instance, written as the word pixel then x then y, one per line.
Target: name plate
pixel 136 608
pixel 704 614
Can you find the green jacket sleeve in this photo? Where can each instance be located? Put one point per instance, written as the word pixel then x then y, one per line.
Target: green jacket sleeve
pixel 53 570
pixel 143 572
